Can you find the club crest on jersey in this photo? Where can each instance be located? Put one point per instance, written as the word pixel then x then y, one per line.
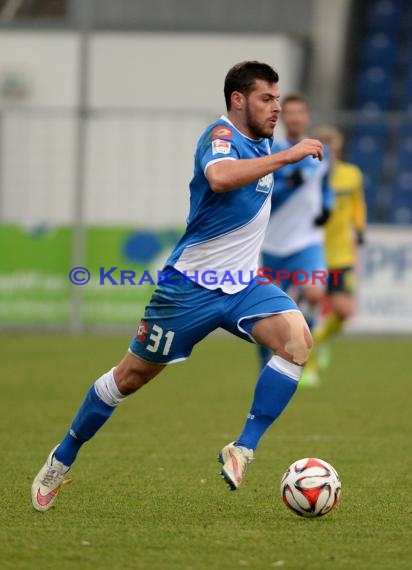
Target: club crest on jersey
pixel 142 331
pixel 265 184
pixel 221 132
pixel 221 147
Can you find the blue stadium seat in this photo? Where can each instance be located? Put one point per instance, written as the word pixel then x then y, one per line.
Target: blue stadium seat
pixel 405 151
pixel 401 205
pixel 407 17
pixel 401 198
pixel 372 128
pixel 371 189
pixel 405 49
pixel 384 15
pixel 379 49
pixel 403 184
pixel 367 152
pixel 371 105
pixel 400 215
pixel 407 89
pixel 398 92
pixel 406 129
pixel 373 88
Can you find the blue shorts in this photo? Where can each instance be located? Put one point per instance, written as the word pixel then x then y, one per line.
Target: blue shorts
pixel 300 266
pixel 179 315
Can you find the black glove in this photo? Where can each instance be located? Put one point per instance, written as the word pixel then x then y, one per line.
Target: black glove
pixel 294 180
pixel 323 217
pixel 360 237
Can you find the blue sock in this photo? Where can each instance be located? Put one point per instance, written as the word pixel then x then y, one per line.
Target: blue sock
pixel 275 387
pixel 92 414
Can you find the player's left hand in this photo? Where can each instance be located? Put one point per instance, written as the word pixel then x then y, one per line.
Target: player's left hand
pixel 322 218
pixel 294 180
pixel 360 238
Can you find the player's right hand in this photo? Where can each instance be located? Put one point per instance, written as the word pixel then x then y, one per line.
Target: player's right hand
pixel 305 147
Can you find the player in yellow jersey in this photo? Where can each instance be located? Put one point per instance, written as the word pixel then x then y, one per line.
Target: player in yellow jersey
pixel 344 231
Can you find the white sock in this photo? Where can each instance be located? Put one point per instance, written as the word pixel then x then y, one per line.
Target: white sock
pixel 107 390
pixel 289 369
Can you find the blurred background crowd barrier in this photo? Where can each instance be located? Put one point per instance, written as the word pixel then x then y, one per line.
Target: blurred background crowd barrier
pixel 101 105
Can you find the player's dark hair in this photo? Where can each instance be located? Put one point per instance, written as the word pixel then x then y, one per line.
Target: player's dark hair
pixel 242 76
pixel 295 97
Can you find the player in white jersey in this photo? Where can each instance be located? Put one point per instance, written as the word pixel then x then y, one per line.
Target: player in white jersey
pixel 301 204
pixel 202 288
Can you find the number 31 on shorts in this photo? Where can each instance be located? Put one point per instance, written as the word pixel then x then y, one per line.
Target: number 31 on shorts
pixel 156 338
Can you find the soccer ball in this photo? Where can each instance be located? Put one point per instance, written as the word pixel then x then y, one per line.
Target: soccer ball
pixel 310 487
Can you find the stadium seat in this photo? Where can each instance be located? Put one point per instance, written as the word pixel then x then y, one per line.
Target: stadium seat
pixel 373 88
pixel 404 154
pixel 406 129
pixel 401 198
pixel 372 128
pixel 405 48
pixel 367 152
pixel 384 15
pixel 379 49
pixel 400 215
pixel 403 184
pixel 407 18
pixel 400 211
pixel 407 89
pixel 371 189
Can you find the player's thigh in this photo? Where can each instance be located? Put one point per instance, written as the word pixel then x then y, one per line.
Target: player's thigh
pixel 132 373
pixel 286 334
pixel 266 315
pixel 177 317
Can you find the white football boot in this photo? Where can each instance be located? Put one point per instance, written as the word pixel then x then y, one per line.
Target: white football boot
pixel 48 483
pixel 235 461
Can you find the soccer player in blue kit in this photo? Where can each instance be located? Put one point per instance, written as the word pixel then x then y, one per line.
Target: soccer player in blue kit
pixel 230 200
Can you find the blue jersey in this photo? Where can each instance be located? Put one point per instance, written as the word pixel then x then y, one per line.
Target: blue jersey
pixel 224 230
pixel 297 200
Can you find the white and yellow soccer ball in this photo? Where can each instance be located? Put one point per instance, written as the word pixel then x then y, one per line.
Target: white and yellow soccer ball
pixel 310 487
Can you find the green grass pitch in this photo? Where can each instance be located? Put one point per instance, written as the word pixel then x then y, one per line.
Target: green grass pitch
pixel 146 493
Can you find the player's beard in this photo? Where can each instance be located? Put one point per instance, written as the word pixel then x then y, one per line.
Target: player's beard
pixel 255 127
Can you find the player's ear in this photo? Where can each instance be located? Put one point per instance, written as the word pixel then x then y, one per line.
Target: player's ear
pixel 237 100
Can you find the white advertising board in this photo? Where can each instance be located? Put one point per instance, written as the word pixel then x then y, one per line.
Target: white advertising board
pixel 384 285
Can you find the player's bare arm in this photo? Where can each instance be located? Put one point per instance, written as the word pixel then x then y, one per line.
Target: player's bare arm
pixel 229 175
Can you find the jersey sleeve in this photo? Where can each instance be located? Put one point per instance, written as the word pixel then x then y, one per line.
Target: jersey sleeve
pixel 358 204
pixel 218 145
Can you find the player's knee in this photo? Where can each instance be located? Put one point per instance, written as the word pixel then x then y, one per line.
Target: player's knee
pixel 344 310
pixel 296 345
pixel 344 313
pixel 299 346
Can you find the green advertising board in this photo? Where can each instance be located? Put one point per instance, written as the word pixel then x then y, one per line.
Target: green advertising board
pixel 36 268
